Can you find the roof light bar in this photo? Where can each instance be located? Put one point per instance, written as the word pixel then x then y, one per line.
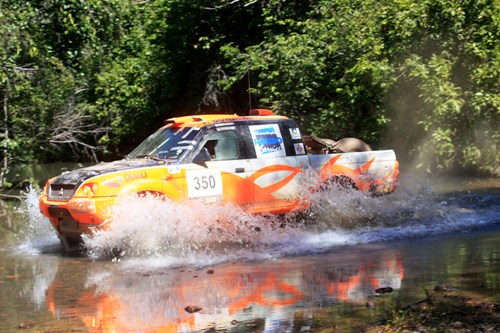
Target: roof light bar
pixel 261 112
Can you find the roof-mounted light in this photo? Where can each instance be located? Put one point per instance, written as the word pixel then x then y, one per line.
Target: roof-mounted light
pixel 260 112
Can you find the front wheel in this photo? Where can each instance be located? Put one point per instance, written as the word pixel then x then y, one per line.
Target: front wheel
pixel 71 243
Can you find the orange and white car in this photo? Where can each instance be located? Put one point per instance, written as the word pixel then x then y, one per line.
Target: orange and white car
pixel 257 162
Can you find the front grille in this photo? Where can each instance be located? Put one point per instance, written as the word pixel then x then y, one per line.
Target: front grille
pixel 61 192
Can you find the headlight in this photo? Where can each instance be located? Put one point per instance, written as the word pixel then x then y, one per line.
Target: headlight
pixel 88 189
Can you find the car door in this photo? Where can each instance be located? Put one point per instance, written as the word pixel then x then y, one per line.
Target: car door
pixel 226 176
pixel 275 169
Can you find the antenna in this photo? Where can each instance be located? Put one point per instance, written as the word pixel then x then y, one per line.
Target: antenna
pixel 249 93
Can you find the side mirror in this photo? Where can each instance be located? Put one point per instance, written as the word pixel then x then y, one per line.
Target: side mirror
pixel 203 156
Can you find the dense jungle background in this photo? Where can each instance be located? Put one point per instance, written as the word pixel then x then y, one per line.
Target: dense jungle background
pixel 85 80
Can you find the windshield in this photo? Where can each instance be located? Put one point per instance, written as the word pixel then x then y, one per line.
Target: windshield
pixel 166 143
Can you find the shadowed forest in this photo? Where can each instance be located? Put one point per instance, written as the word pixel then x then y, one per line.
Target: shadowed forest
pixel 87 80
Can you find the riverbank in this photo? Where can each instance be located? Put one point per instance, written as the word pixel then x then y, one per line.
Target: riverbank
pixel 445 309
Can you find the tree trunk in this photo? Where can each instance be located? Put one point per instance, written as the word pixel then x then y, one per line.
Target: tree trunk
pixel 5 165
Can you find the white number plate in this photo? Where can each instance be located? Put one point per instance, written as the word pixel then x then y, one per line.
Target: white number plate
pixel 204 183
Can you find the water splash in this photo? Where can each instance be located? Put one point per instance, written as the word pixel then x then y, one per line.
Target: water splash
pixel 151 227
pixel 159 232
pixel 37 233
pixel 166 233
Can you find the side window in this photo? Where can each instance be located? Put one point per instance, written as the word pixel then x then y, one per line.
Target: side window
pixel 293 139
pixel 222 146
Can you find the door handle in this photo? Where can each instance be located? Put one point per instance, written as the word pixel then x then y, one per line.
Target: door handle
pixel 239 170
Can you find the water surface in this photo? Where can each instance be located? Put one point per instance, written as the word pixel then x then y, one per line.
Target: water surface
pixel 251 274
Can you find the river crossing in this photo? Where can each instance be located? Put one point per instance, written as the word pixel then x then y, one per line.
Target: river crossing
pixel 175 272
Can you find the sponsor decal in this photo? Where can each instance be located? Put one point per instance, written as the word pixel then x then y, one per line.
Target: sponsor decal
pixel 180 148
pixel 114 182
pixel 295 134
pixel 134 176
pixel 299 148
pixel 267 140
pixel 174 169
pixel 380 153
pixel 231 120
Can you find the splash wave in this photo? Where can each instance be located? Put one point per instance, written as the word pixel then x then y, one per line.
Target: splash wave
pixel 153 231
pixel 173 233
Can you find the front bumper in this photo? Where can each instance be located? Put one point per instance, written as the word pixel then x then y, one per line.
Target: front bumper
pixel 78 215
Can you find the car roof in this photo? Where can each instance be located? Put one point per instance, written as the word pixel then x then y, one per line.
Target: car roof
pixel 255 115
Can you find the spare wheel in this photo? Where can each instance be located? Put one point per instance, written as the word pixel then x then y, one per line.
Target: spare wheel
pixel 350 145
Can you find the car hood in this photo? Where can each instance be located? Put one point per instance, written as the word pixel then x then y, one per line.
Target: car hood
pixel 78 176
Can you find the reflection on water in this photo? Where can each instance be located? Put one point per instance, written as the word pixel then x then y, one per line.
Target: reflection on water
pixel 284 295
pixel 108 299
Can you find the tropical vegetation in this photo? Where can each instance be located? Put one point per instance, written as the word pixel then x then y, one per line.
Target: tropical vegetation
pixel 89 79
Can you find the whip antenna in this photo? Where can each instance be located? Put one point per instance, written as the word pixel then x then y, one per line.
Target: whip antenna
pixel 249 93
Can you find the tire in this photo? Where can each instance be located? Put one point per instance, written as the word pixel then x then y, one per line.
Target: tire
pixel 71 244
pixel 340 182
pixel 351 145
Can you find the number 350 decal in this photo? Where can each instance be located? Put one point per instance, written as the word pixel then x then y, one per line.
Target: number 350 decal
pixel 203 183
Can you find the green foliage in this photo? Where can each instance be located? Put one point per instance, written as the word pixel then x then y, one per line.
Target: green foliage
pixel 425 72
pixel 331 71
pixel 81 79
pixel 456 68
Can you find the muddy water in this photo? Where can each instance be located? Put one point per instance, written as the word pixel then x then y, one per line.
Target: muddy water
pixel 251 274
